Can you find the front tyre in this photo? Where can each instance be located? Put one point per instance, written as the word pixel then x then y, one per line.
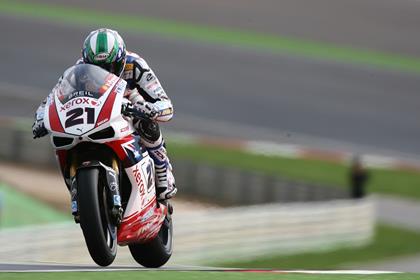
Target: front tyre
pixel 158 251
pixel 99 232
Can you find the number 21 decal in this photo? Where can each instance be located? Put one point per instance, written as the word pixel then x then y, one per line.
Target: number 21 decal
pixel 150 175
pixel 75 116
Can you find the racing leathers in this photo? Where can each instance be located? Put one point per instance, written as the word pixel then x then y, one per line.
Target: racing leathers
pixel 147 95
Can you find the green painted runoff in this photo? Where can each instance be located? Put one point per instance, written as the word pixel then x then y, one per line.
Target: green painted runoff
pixel 17 209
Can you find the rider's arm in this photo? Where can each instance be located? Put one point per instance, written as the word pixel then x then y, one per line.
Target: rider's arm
pixel 150 91
pixel 38 127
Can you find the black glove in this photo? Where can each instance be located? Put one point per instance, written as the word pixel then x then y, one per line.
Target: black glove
pixel 38 129
pixel 146 108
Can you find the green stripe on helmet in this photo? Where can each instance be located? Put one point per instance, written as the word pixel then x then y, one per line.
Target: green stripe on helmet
pixel 101 43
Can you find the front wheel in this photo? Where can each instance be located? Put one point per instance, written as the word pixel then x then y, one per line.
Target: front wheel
pixel 158 251
pixel 100 234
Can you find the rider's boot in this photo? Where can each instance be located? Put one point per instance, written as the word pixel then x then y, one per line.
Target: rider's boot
pixel 165 181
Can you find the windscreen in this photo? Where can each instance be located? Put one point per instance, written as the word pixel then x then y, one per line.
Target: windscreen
pixel 84 80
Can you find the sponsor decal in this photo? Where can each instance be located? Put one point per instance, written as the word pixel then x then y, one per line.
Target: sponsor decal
pixel 77 101
pixel 150 174
pixel 139 180
pixel 129 66
pixel 159 155
pixel 166 112
pixel 102 122
pixel 101 56
pixel 95 103
pixel 124 129
pixel 151 85
pixel 80 94
pixel 150 77
pixel 108 83
pixel 110 80
pixel 120 86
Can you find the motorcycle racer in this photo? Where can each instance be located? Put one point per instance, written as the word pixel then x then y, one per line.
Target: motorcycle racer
pixel 105 48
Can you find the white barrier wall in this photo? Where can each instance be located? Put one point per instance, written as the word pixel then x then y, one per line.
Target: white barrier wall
pixel 217 235
pixel 277 229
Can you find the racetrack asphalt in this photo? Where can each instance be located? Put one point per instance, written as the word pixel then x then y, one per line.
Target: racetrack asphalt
pixel 57 267
pixel 387 25
pixel 246 93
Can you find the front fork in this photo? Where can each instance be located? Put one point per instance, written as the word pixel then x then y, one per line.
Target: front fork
pixel 113 192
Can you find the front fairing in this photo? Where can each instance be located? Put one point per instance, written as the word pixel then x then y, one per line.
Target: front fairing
pixel 86 101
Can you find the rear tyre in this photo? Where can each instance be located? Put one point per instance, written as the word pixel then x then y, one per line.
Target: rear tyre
pixel 158 251
pixel 99 233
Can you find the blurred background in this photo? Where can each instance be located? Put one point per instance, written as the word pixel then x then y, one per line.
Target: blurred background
pixel 294 141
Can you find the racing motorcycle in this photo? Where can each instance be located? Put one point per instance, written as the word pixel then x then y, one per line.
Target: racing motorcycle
pixel 109 174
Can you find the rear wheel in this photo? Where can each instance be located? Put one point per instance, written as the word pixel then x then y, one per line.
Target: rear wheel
pixel 158 251
pixel 100 234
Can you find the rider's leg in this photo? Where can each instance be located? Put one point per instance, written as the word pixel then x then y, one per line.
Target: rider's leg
pixel 151 138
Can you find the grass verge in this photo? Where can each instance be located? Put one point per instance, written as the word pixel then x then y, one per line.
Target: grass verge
pixel 202 275
pixel 18 209
pixel 389 242
pixel 392 182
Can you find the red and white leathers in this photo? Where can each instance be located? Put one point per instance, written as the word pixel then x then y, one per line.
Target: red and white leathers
pixel 146 94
